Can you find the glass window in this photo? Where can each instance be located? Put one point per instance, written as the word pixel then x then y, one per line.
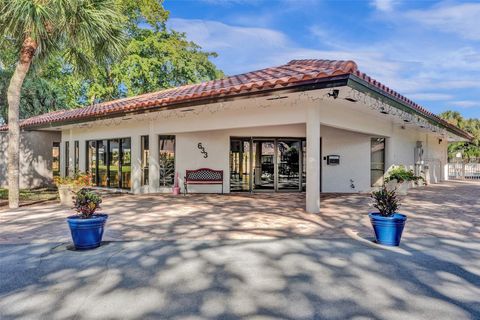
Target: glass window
pixel 76 156
pixel 67 158
pixel 145 154
pixel 166 146
pixel 377 161
pixel 239 165
pixel 56 159
pixel 125 163
pixel 92 160
pixel 102 177
pixel 113 163
pixel 110 162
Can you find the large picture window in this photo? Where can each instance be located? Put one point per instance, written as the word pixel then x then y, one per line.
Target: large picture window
pixel 109 162
pixel 56 159
pixel 166 147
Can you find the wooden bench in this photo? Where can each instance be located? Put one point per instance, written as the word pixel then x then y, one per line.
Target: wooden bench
pixel 202 176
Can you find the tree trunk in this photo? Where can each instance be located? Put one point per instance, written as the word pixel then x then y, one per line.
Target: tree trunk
pixel 13 96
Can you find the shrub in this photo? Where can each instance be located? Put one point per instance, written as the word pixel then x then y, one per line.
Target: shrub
pixel 401 174
pixel 385 201
pixel 86 202
pixel 78 181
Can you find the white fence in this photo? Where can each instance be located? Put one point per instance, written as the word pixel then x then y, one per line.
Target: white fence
pixel 464 171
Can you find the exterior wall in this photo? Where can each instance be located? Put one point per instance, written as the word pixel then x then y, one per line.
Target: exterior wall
pixel 346 130
pixel 35 158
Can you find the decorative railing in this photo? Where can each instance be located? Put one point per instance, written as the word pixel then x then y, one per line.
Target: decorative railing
pixel 464 171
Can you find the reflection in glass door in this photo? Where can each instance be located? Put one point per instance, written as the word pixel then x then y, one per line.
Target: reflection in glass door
pixel 267 164
pixel 109 162
pixel 288 162
pixel 240 165
pixel 102 163
pixel 125 163
pixel 264 165
pixel 113 163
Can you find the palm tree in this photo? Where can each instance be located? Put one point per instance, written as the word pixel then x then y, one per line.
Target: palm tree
pixel 83 30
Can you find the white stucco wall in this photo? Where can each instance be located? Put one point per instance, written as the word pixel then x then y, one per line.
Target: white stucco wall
pixel 35 158
pixel 354 151
pixel 346 130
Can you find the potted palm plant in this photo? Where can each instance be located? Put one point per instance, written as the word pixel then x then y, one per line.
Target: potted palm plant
pixel 400 179
pixel 387 223
pixel 87 226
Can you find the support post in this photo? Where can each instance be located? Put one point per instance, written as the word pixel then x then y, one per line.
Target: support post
pixel 153 168
pixel 313 159
pixel 136 164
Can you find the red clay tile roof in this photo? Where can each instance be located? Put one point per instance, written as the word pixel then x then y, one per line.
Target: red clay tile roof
pixel 294 73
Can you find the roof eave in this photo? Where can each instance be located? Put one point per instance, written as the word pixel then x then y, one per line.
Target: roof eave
pixel 306 85
pixel 361 85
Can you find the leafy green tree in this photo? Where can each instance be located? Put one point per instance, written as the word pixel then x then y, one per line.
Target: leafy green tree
pixel 470 150
pixel 155 58
pixel 83 30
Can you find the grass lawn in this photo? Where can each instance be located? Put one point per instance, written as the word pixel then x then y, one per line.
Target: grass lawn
pixel 30 195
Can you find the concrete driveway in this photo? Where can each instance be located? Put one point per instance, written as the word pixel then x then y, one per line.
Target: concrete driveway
pixel 255 258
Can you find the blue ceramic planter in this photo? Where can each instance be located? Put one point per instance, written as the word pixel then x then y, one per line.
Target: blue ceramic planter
pixel 388 230
pixel 87 233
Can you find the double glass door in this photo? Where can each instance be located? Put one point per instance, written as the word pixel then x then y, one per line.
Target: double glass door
pixel 273 164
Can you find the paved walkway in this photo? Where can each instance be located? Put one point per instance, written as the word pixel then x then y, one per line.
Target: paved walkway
pixel 213 257
pixel 450 209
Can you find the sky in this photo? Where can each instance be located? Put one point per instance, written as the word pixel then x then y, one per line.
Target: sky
pixel 428 51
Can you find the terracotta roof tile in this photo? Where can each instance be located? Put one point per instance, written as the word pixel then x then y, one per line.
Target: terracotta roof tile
pixel 293 73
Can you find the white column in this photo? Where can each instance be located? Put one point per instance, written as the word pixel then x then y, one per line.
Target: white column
pixel 153 168
pixel 389 155
pixel 136 164
pixel 82 156
pixel 445 160
pixel 71 154
pixel 62 154
pixel 313 159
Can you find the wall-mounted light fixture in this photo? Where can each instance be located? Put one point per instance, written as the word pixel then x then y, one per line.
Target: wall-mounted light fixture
pixel 334 94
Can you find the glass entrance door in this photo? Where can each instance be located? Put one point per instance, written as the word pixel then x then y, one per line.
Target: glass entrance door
pixel 240 164
pixel 113 163
pixel 264 165
pixel 289 164
pixel 267 164
pixel 102 163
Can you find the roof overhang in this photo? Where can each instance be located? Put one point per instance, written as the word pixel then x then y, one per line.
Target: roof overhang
pixel 344 80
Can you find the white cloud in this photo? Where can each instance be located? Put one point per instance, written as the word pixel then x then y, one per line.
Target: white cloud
pixel 461 19
pixel 384 5
pixel 465 104
pixel 416 66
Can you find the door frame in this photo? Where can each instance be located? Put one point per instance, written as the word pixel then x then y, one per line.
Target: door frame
pixel 275 140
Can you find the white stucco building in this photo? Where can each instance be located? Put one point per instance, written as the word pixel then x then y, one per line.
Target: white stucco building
pixel 310 125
